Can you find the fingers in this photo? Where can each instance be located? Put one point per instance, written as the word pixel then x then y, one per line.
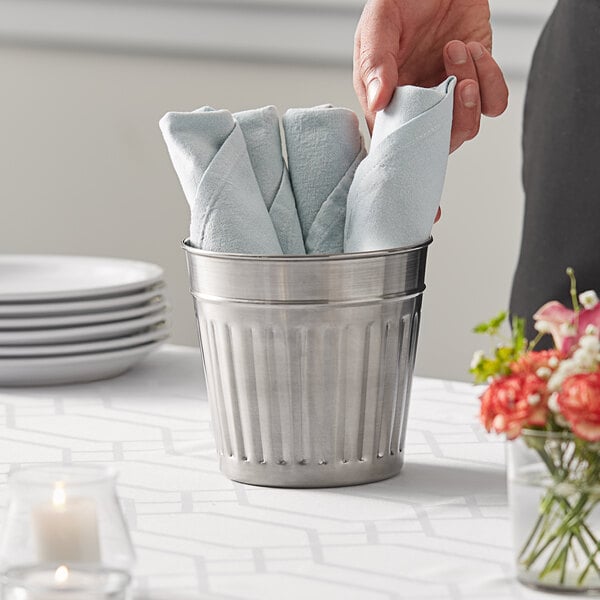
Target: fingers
pixel 493 89
pixel 467 113
pixel 467 102
pixel 376 47
pixel 481 88
pixel 438 216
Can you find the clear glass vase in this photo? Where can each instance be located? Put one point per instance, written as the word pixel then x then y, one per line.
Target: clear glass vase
pixel 64 535
pixel 554 495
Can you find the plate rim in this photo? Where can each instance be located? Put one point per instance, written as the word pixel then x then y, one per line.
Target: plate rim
pixel 23 324
pixel 161 332
pixel 78 358
pixel 82 306
pixel 102 291
pixel 154 319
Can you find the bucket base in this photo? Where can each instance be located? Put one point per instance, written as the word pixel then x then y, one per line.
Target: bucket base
pixel 309 475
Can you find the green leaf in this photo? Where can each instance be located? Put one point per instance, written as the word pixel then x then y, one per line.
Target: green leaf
pixel 504 354
pixel 518 335
pixel 489 367
pixel 498 320
pixel 481 328
pixel 492 326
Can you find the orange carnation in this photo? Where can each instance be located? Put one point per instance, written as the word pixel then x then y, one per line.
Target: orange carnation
pixel 530 362
pixel 515 402
pixel 579 402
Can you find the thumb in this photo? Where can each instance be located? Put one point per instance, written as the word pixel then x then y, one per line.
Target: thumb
pixel 380 80
pixel 379 75
pixel 376 59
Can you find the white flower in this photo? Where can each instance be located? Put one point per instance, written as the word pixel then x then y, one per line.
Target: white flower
pixel 543 326
pixel 477 358
pixel 567 329
pixel 591 330
pixel 589 299
pixel 553 403
pixel 583 359
pixel 533 399
pixel 566 368
pixel 555 381
pixel 553 362
pixel 590 343
pixel 543 372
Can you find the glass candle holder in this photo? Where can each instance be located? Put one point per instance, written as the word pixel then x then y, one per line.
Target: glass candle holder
pixel 64 535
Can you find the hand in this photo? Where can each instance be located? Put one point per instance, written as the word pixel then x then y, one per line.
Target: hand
pixel 421 42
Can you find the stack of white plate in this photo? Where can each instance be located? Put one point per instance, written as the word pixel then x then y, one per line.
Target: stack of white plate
pixel 67 319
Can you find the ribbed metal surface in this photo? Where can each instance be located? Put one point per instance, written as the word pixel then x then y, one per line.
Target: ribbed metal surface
pixel 309 393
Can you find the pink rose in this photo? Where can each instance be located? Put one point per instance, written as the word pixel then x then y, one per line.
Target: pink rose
pixel 579 403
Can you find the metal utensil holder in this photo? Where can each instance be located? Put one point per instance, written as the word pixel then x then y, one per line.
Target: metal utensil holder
pixel 308 362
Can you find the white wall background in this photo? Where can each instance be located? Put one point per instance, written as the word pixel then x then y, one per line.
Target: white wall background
pixel 84 170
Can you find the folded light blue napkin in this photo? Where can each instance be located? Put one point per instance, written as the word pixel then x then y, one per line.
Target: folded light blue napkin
pixel 396 190
pixel 263 141
pixel 228 213
pixel 324 148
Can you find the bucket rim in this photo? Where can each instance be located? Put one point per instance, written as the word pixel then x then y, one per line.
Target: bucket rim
pixel 291 258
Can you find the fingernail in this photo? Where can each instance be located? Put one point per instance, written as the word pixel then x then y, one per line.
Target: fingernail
pixel 477 50
pixel 469 95
pixel 372 91
pixel 457 53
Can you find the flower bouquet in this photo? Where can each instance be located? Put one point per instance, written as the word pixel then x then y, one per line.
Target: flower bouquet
pixel 547 403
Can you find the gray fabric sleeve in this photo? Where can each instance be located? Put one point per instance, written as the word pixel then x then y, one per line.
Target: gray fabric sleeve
pixel 561 162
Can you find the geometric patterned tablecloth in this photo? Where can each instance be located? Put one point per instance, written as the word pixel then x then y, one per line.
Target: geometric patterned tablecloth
pixel 439 530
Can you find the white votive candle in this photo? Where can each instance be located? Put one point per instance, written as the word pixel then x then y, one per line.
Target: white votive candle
pixel 66 529
pixel 63 583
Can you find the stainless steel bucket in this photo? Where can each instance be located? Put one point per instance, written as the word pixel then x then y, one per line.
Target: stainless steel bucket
pixel 309 362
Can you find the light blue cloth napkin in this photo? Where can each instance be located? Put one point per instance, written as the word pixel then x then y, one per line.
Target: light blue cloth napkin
pixel 397 188
pixel 263 141
pixel 228 213
pixel 324 148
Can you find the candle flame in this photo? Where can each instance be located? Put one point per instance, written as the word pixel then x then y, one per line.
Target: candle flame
pixel 59 497
pixel 61 575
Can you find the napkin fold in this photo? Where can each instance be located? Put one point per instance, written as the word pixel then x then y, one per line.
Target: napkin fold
pixel 324 148
pixel 209 153
pixel 396 190
pixel 333 199
pixel 263 142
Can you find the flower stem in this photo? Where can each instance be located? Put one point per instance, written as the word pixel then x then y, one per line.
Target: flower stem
pixel 535 341
pixel 573 290
pixel 565 554
pixel 560 522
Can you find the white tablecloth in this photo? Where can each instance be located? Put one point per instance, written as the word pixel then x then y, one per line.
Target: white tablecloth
pixel 439 530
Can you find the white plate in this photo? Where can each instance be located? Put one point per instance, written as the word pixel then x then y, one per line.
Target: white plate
pixel 159 332
pixel 26 277
pixel 51 322
pixel 81 334
pixel 70 369
pixel 42 309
